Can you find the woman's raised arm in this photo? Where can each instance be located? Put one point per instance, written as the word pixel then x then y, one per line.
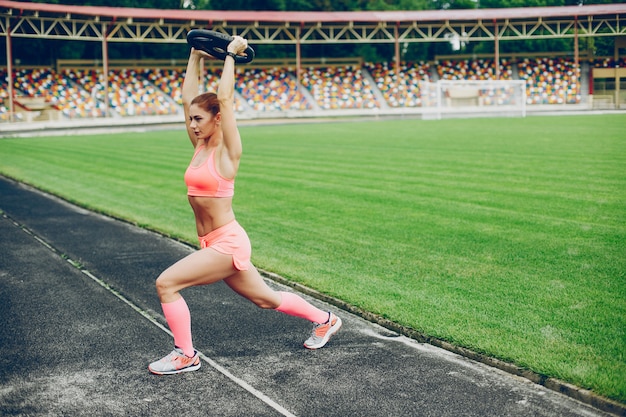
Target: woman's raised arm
pixel 191 85
pixel 226 97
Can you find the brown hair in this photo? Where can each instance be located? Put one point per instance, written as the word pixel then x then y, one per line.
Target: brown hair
pixel 207 102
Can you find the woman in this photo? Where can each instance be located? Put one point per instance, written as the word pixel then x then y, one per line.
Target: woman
pixel 225 247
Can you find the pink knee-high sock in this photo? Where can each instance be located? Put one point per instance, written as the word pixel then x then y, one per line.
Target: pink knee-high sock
pixel 179 320
pixel 294 305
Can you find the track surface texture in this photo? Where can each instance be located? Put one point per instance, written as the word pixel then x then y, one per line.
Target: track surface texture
pixel 81 321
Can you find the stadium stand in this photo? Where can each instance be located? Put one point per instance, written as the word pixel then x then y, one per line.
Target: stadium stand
pixel 73 100
pixel 88 82
pixel 605 70
pixel 79 92
pixel 132 95
pixel 4 95
pixel 402 89
pixel 550 80
pixel 168 81
pixel 272 89
pixel 475 70
pixel 339 88
pixel 606 62
pixel 56 89
pixel 36 87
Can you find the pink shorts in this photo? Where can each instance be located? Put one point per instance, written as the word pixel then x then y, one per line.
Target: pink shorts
pixel 230 239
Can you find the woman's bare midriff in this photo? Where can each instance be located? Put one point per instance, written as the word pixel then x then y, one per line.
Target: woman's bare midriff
pixel 211 212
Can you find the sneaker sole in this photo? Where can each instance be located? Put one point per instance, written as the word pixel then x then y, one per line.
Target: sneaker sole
pixel 334 329
pixel 178 371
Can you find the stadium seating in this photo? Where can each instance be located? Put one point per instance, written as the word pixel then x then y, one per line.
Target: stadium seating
pixel 74 100
pixel 270 90
pixel 53 88
pixel 168 81
pixel 79 93
pixel 130 95
pixel 480 69
pixel 339 88
pixel 402 89
pixel 550 80
pixel 4 94
pixel 609 62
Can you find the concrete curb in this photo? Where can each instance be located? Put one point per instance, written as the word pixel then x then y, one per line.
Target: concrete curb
pixel 583 395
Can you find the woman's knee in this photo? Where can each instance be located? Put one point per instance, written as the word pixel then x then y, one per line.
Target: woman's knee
pixel 163 285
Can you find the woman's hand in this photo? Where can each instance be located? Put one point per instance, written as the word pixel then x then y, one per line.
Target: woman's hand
pixel 201 54
pixel 238 45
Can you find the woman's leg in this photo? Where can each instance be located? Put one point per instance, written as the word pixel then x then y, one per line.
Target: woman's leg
pixel 252 286
pixel 205 266
pixel 179 321
pixel 202 267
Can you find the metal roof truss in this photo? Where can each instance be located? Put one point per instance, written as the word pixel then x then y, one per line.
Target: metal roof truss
pixel 162 31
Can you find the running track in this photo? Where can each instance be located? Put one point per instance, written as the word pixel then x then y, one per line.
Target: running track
pixel 81 321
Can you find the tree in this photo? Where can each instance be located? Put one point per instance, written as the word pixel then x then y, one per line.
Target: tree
pixel 454 4
pixel 147 4
pixel 396 5
pixel 497 4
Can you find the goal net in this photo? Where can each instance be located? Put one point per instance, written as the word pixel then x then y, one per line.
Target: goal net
pixel 481 98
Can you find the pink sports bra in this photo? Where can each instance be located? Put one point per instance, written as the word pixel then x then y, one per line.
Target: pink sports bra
pixel 205 181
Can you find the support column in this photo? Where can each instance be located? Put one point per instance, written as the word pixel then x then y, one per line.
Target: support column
pixel 497 48
pixel 105 68
pixel 577 70
pixel 298 58
pixel 10 70
pixel 616 69
pixel 397 47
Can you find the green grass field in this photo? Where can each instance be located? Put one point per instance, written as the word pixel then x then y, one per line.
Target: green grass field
pixel 505 236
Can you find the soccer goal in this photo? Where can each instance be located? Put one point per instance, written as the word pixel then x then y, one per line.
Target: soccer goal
pixel 485 97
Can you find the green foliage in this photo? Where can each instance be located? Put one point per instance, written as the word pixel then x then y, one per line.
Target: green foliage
pixel 491 4
pixel 297 5
pixel 453 4
pixel 601 46
pixel 147 4
pixel 272 5
pixel 463 4
pixel 375 52
pixel 397 5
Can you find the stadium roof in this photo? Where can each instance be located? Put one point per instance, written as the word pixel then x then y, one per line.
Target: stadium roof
pixel 18 8
pixel 120 24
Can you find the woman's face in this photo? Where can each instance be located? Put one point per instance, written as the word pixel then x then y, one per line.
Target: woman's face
pixel 203 123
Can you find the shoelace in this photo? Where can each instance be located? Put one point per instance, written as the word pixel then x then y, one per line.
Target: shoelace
pixel 174 355
pixel 320 329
